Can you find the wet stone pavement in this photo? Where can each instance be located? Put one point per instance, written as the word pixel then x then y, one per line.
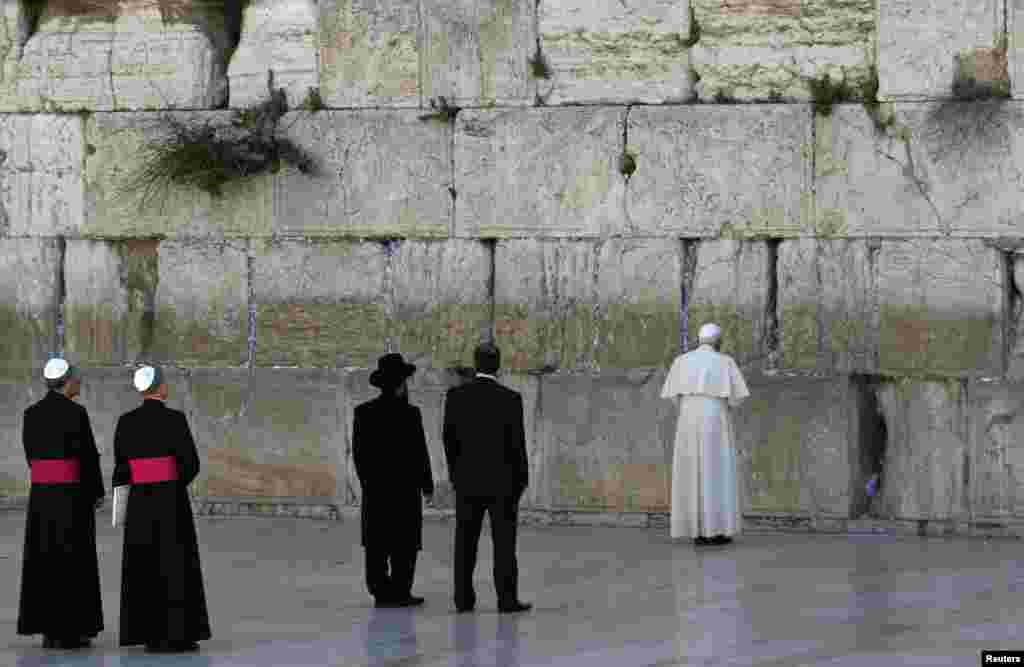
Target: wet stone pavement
pixel 290 592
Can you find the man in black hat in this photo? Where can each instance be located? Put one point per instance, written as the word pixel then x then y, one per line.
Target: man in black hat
pixel 485 445
pixel 163 604
pixel 389 449
pixel 60 577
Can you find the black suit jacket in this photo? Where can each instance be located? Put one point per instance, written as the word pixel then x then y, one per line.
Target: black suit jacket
pixel 484 439
pixel 59 428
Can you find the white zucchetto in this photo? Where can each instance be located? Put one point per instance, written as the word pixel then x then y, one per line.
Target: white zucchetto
pixel 710 332
pixel 56 369
pixel 147 378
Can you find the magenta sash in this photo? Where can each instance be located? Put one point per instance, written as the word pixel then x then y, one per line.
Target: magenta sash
pixel 152 470
pixel 56 471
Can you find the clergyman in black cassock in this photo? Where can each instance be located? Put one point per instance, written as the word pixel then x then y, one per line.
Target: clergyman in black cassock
pixel 485 446
pixel 60 578
pixel 163 604
pixel 389 449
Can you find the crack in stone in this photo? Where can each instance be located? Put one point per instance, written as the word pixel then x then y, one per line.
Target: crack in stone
pixel 250 264
pixel 492 281
pixel 61 296
pixel 1013 306
pixel 771 333
pixel 688 275
pixel 909 171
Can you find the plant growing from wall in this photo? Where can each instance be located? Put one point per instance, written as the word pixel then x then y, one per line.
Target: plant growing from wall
pixel 825 92
pixel 627 164
pixel 442 111
pixel 540 68
pixel 207 156
pixel 691 40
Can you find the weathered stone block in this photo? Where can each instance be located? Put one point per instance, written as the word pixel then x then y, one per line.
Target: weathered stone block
pixel 827 305
pixel 28 305
pixel 15 396
pixel 130 54
pixel 41 190
pixel 369 53
pixel 996 458
pixel 442 300
pixel 394 173
pixel 320 304
pixel 798 442
pixel 606 441
pixel 940 308
pixel 280 37
pixel 115 142
pixel 201 305
pixel 948 168
pixel 607 52
pixel 639 292
pixel 1015 45
pixel 217 403
pixel 926 307
pixel 709 171
pixel 544 172
pixel 473 52
pixel 917 41
pixel 730 287
pixel 291 444
pixel 15 26
pixel 770 49
pixel 545 295
pixel 109 300
pixel 925 473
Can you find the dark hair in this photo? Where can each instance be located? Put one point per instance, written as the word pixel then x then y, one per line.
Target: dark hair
pixel 56 385
pixel 487 357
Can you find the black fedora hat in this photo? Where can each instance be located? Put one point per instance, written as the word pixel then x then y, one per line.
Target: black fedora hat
pixel 391 371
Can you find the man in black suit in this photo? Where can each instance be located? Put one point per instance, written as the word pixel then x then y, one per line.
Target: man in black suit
pixel 485 446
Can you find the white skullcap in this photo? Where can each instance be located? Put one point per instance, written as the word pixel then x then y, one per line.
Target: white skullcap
pixel 710 332
pixel 147 378
pixel 55 369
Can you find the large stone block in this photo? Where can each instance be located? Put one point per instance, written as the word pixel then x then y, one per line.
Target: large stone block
pixel 573 304
pixel 279 37
pixel 940 308
pixel 109 300
pixel 951 168
pixel 394 174
pixel 28 305
pixel 610 52
pixel 115 142
pixel 15 27
pixel 202 303
pixel 41 187
pixel 320 304
pixel 733 171
pixel 1015 44
pixel 473 52
pixel 928 307
pixel 730 287
pixel 130 54
pixel 798 442
pixel 769 49
pixel 369 53
pixel 291 444
pixel 996 456
pixel 919 42
pixel 606 441
pixel 217 405
pixel 442 301
pixel 925 473
pixel 544 173
pixel 827 305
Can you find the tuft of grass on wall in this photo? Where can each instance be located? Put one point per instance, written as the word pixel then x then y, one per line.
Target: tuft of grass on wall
pixel 207 156
pixel 443 111
pixel 826 93
pixel 540 68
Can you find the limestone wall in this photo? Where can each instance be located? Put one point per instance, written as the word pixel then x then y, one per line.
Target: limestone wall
pixel 614 175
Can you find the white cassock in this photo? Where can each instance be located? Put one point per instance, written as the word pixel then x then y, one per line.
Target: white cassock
pixel 705 495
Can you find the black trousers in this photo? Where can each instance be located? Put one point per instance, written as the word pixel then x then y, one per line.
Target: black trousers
pixel 396 584
pixel 469 518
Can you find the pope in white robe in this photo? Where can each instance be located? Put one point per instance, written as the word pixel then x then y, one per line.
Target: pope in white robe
pixel 705 496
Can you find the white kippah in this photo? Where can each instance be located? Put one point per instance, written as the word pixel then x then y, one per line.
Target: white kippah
pixel 710 332
pixel 144 378
pixel 55 369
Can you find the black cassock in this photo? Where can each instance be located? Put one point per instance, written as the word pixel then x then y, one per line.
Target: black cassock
pixel 60 577
pixel 162 596
pixel 389 449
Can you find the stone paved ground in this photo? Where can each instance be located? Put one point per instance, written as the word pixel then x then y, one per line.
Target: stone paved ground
pixel 288 592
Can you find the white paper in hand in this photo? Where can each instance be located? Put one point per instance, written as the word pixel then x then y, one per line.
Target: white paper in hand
pixel 120 504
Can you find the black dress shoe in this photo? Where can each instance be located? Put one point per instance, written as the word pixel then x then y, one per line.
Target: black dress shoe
pixel 161 647
pixel 514 607
pixel 465 609
pixel 701 541
pixel 721 539
pixel 411 601
pixel 66 644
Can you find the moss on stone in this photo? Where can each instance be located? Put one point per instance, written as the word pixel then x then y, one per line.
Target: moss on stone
pixel 318 334
pixel 634 56
pixel 348 56
pixel 775 465
pixel 12 486
pixel 187 341
pixel 496 35
pixel 448 333
pixel 913 341
pixel 738 330
pixel 24 341
pixel 800 335
pixel 818 23
pixel 590 188
pixel 639 335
